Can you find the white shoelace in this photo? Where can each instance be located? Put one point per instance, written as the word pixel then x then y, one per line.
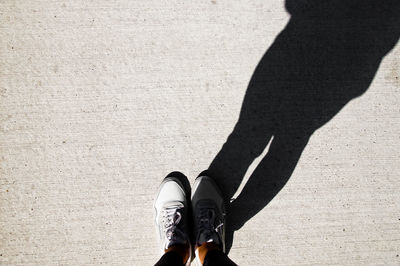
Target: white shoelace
pixel 171 218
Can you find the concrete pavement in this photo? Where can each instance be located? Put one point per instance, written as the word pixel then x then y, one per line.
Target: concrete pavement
pixel 99 100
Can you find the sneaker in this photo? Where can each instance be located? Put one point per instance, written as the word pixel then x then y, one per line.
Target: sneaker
pixel 172 212
pixel 208 212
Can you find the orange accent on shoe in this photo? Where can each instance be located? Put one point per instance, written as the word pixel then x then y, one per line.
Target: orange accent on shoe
pixel 204 248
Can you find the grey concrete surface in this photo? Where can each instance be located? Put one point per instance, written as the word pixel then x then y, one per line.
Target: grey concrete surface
pixel 99 100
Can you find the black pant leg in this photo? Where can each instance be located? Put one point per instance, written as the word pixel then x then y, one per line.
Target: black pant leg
pixel 170 259
pixel 217 258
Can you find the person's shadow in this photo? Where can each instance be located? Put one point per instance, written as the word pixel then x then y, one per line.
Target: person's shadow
pixel 327 55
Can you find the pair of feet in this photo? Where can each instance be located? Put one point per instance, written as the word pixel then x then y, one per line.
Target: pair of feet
pixel 190 220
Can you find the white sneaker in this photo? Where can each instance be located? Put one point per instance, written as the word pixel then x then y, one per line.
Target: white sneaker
pixel 172 212
pixel 208 212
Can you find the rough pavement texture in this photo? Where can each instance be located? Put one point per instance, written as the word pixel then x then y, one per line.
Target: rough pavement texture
pixel 99 100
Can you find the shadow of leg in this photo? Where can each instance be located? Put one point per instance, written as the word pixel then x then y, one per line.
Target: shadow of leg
pixel 267 180
pixel 230 165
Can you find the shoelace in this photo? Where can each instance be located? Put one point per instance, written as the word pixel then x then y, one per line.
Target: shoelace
pixel 206 223
pixel 171 218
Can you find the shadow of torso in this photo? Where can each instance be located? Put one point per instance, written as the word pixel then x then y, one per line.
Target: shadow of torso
pixel 326 56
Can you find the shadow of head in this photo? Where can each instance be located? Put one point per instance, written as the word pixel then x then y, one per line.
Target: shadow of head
pixel 327 55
